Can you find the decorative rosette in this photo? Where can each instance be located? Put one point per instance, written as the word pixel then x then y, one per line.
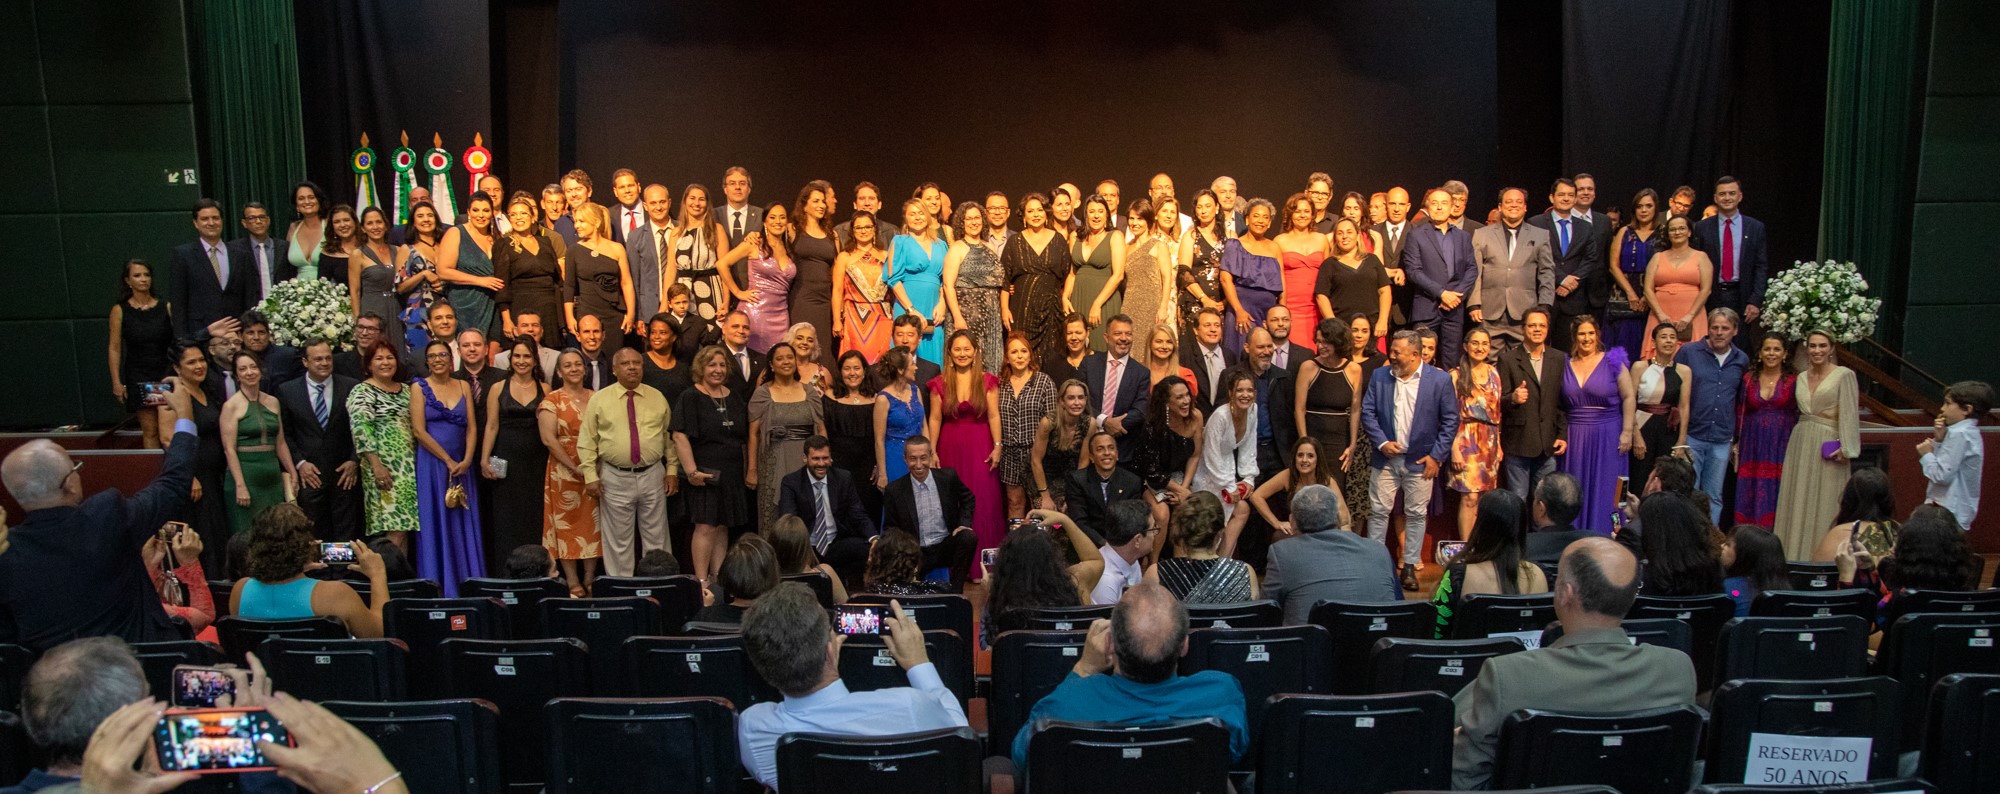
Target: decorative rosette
pixel 437 163
pixel 363 163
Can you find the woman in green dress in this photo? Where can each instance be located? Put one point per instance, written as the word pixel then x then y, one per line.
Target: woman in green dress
pixel 1096 286
pixel 260 465
pixel 380 413
pixel 465 262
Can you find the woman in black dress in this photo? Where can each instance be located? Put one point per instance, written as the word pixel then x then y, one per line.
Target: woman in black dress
pixel 1353 281
pixel 810 297
pixel 850 427
pixel 596 280
pixel 661 367
pixel 1067 363
pixel 514 435
pixel 1036 263
pixel 1169 446
pixel 1199 276
pixel 209 513
pixel 711 427
pixel 343 235
pixel 1323 398
pixel 531 278
pixel 142 339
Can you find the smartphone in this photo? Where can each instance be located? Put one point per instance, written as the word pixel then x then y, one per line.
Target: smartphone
pixel 154 393
pixel 989 556
pixel 336 554
pixel 1014 522
pixel 857 619
pixel 1624 487
pixel 216 741
pixel 172 529
pixel 1447 549
pixel 199 687
pixel 1161 496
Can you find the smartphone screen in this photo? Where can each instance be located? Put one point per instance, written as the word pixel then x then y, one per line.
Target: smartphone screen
pixel 855 619
pixel 1624 486
pixel 989 556
pixel 214 741
pixel 336 553
pixel 200 687
pixel 154 393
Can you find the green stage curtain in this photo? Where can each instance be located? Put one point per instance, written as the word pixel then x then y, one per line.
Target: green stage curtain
pixel 247 71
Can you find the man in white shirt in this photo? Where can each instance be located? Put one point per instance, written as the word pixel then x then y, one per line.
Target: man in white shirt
pixel 790 643
pixel 1128 541
pixel 645 246
pixel 1410 414
pixel 1953 459
pixel 1208 358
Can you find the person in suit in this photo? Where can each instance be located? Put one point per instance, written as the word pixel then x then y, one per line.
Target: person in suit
pixel 630 214
pixel 597 371
pixel 825 498
pixel 1558 500
pixel 1459 197
pixel 906 333
pixel 529 324
pixel 1516 271
pixel 1410 413
pixel 1274 398
pixel 74 567
pixel 1323 563
pixel 576 190
pixel 746 366
pixel 1090 492
pixel 348 363
pixel 474 370
pixel 1208 359
pixel 1118 385
pixel 935 507
pixel 642 252
pixel 738 216
pixel 1594 668
pixel 314 416
pixel 1735 242
pixel 262 254
pixel 1601 224
pixel 1108 191
pixel 1394 230
pixel 281 362
pixel 205 282
pixel 1438 260
pixel 867 198
pixel 1577 260
pixel 1533 424
pixel 691 332
pixel 1231 216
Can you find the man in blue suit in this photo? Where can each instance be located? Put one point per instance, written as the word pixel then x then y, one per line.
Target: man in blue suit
pixel 1410 414
pixel 1735 243
pixel 1438 260
pixel 642 251
pixel 1121 403
pixel 1579 261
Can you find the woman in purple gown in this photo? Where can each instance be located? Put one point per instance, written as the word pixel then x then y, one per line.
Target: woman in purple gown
pixel 1634 246
pixel 449 549
pixel 771 272
pixel 1597 394
pixel 1764 420
pixel 1252 279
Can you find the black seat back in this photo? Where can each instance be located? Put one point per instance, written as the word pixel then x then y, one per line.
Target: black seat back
pixel 1354 627
pixel 947 611
pixel 423 623
pixel 1794 648
pixel 337 669
pixel 1399 664
pixel 518 676
pixel 1337 743
pixel 18 753
pixel 1910 602
pixel 1908 785
pixel 941 761
pixel 1922 648
pixel 159 659
pixel 1638 752
pixel 602 623
pixel 865 663
pixel 681 667
pixel 642 746
pixel 1704 615
pixel 1815 604
pixel 1813 576
pixel 1027 665
pixel 1860 708
pixel 220 590
pixel 443 746
pixel 1052 618
pixel 521 597
pixel 1091 758
pixel 1483 615
pixel 1963 728
pixel 818 582
pixel 1239 615
pixel 243 635
pixel 401 588
pixel 1264 661
pixel 1664 632
pixel 679 597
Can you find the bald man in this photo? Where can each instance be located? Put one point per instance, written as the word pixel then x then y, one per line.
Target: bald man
pixel 627 464
pixel 1592 668
pixel 1395 232
pixel 1128 674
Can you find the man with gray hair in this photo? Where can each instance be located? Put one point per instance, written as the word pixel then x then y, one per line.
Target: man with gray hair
pixel 1558 500
pixel 1459 195
pixel 1141 648
pixel 71 689
pixel 787 636
pixel 1324 562
pixel 1227 211
pixel 1716 365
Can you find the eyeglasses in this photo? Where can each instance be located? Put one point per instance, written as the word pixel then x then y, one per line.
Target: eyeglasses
pixel 76 468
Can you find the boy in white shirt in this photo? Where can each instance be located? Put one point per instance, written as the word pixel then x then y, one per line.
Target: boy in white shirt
pixel 1954 457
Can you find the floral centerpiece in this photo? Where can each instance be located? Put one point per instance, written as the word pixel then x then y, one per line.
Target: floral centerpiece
pixel 304 309
pixel 1821 296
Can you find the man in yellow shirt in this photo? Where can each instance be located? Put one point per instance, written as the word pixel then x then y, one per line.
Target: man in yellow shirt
pixel 623 448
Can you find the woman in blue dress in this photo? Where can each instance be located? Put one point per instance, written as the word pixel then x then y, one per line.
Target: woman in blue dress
pixel 1635 246
pixel 1252 279
pixel 465 262
pixel 449 549
pixel 899 414
pixel 1597 394
pixel 916 274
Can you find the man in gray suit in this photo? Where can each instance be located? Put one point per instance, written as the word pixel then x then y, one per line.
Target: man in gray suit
pixel 1323 562
pixel 1516 270
pixel 642 251
pixel 1593 669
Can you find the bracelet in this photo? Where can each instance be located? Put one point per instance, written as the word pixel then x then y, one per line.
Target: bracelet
pixel 385 781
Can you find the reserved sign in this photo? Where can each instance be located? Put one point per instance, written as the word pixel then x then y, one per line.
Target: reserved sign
pixel 1777 759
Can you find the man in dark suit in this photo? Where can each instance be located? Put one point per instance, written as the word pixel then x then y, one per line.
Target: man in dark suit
pixel 1275 403
pixel 906 332
pixel 1395 231
pixel 474 370
pixel 642 256
pixel 935 507
pixel 281 362
pixel 261 253
pixel 867 198
pixel 1459 196
pixel 205 283
pixel 74 568
pixel 1410 413
pixel 825 498
pixel 737 216
pixel 1438 260
pixel 597 372
pixel 1208 358
pixel 367 330
pixel 746 366
pixel 1516 271
pixel 1090 492
pixel 1119 386
pixel 317 430
pixel 1107 191
pixel 629 215
pixel 1735 243
pixel 1532 422
pixel 1578 260
pixel 1558 499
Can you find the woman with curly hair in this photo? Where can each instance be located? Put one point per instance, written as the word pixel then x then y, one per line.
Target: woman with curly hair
pixel 895 567
pixel 1028 572
pixel 1199 574
pixel 277 588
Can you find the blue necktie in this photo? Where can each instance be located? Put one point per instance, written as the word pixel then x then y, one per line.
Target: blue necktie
pixel 319 403
pixel 1564 235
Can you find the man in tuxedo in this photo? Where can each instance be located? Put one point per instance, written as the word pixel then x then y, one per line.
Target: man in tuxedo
pixel 1459 197
pixel 1410 413
pixel 1532 422
pixel 737 216
pixel 1516 270
pixel 1091 491
pixel 1107 190
pixel 529 324
pixel 1119 386
pixel 441 323
pixel 317 430
pixel 281 362
pixel 1586 199
pixel 597 371
pixel 576 190
pixel 1226 211
pixel 643 246
pixel 905 333
pixel 261 252
pixel 935 507
pixel 746 366
pixel 1395 232
pixel 1578 261
pixel 1735 243
pixel 206 283
pixel 1438 260
pixel 825 498
pixel 1208 358
pixel 629 215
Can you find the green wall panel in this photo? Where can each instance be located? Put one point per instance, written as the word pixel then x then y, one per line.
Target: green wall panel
pixel 1935 339
pixel 119 158
pixel 103 51
pixel 1951 254
pixel 96 246
pixel 32 280
pixel 26 159
pixel 20 58
pixel 94 373
pixel 1960 160
pixel 1962 59
pixel 51 376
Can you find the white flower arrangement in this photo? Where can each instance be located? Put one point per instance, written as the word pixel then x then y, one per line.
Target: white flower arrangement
pixel 1821 296
pixel 304 309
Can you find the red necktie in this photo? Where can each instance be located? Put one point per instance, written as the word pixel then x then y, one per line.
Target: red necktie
pixel 632 418
pixel 1728 250
pixel 1110 386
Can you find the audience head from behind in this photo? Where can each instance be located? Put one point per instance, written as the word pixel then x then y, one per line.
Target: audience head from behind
pixel 1681 557
pixel 1931 554
pixel 1197 523
pixel 791 543
pixel 1148 634
pixel 72 688
pixel 1028 572
pixel 530 561
pixel 1128 529
pixel 657 563
pixel 282 546
pixel 1499 539
pixel 39 475
pixel 895 566
pixel 1558 501
pixel 395 564
pixel 1671 475
pixel 1596 582
pixel 749 570
pixel 1753 559
pixel 1315 508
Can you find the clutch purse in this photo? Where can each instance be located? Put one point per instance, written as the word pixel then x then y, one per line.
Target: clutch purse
pixel 1828 449
pixel 454 497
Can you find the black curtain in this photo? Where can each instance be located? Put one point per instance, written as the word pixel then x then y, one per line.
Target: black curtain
pixel 1645 93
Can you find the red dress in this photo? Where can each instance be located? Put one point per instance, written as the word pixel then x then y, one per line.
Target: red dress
pixel 964 441
pixel 1763 430
pixel 1301 278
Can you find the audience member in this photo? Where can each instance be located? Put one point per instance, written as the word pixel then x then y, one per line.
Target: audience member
pixel 895 568
pixel 529 561
pixel 1954 457
pixel 657 563
pixel 65 696
pixel 186 596
pixel 1867 516
pixel 1558 497
pixel 1931 554
pixel 276 587
pixel 1028 572
pixel 1682 558
pixel 1410 414
pixel 1492 563
pixel 1121 561
pixel 749 570
pixel 1753 561
pixel 1197 574
pixel 791 544
pixel 825 498
pixel 1326 563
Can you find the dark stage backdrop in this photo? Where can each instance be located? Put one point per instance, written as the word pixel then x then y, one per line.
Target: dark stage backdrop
pixel 1019 97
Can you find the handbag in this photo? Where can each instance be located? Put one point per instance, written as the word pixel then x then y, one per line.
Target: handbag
pixel 454 497
pixel 173 592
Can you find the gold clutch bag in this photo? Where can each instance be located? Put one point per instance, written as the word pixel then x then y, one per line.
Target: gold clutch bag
pixel 454 497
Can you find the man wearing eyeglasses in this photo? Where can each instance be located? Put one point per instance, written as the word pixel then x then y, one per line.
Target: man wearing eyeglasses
pixel 74 567
pixel 262 251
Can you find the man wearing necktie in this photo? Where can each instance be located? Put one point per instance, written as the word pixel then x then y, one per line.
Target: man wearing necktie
pixel 1119 387
pixel 1438 260
pixel 263 252
pixel 645 245
pixel 627 464
pixel 825 498
pixel 934 506
pixel 206 279
pixel 1578 260
pixel 1735 243
pixel 315 422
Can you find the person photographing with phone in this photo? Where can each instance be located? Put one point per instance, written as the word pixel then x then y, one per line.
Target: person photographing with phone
pixel 282 551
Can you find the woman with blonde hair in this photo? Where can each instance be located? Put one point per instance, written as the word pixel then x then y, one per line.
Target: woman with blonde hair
pixel 596 277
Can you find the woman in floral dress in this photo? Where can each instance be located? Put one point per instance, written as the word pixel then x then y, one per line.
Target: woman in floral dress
pixel 379 411
pixel 1475 452
pixel 569 514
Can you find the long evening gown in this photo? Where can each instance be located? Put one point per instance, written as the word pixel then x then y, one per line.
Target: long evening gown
pixel 1674 289
pixel 1625 330
pixel 906 418
pixel 865 308
pixel 978 286
pixel 517 497
pixel 257 455
pixel 782 447
pixel 569 512
pixel 964 441
pixel 1595 422
pixel 770 279
pixel 811 296
pixel 381 423
pixel 1301 278
pixel 1142 289
pixel 532 282
pixel 378 295
pixel 307 261
pixel 1809 493
pixel 1203 273
pixel 475 305
pixel 694 266
pixel 448 548
pixel 850 430
pixel 1259 282
pixel 919 268
pixel 1764 427
pixel 209 515
pixel 1093 271
pixel 1036 278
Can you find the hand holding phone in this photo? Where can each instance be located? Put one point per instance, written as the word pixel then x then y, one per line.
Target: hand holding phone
pixel 217 741
pixel 117 759
pixel 851 619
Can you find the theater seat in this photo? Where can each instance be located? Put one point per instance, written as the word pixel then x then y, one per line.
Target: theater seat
pixel 679 597
pixel 1922 648
pixel 1813 576
pixel 1910 602
pixel 681 667
pixel 927 762
pixel 1793 648
pixel 1027 666
pixel 1663 632
pixel 1482 615
pixel 1704 615
pixel 1264 661
pixel 1815 604
pixel 1354 627
pixel 1538 790
pixel 1336 744
pixel 521 597
pixel 640 746
pixel 1864 708
pixel 1964 727
pixel 1405 665
pixel 401 588
pixel 422 623
pixel 602 623
pixel 518 676
pixel 1239 615
pixel 348 669
pixel 1051 618
pixel 1638 752
pixel 1093 758
pixel 160 658
pixel 242 635
pixel 18 754
pixel 944 611
pixel 818 582
pixel 441 746
pixel 220 590
pixel 1897 786
pixel 865 663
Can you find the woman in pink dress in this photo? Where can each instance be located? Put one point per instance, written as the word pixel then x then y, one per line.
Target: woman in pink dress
pixel 1304 249
pixel 963 418
pixel 1678 280
pixel 771 272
